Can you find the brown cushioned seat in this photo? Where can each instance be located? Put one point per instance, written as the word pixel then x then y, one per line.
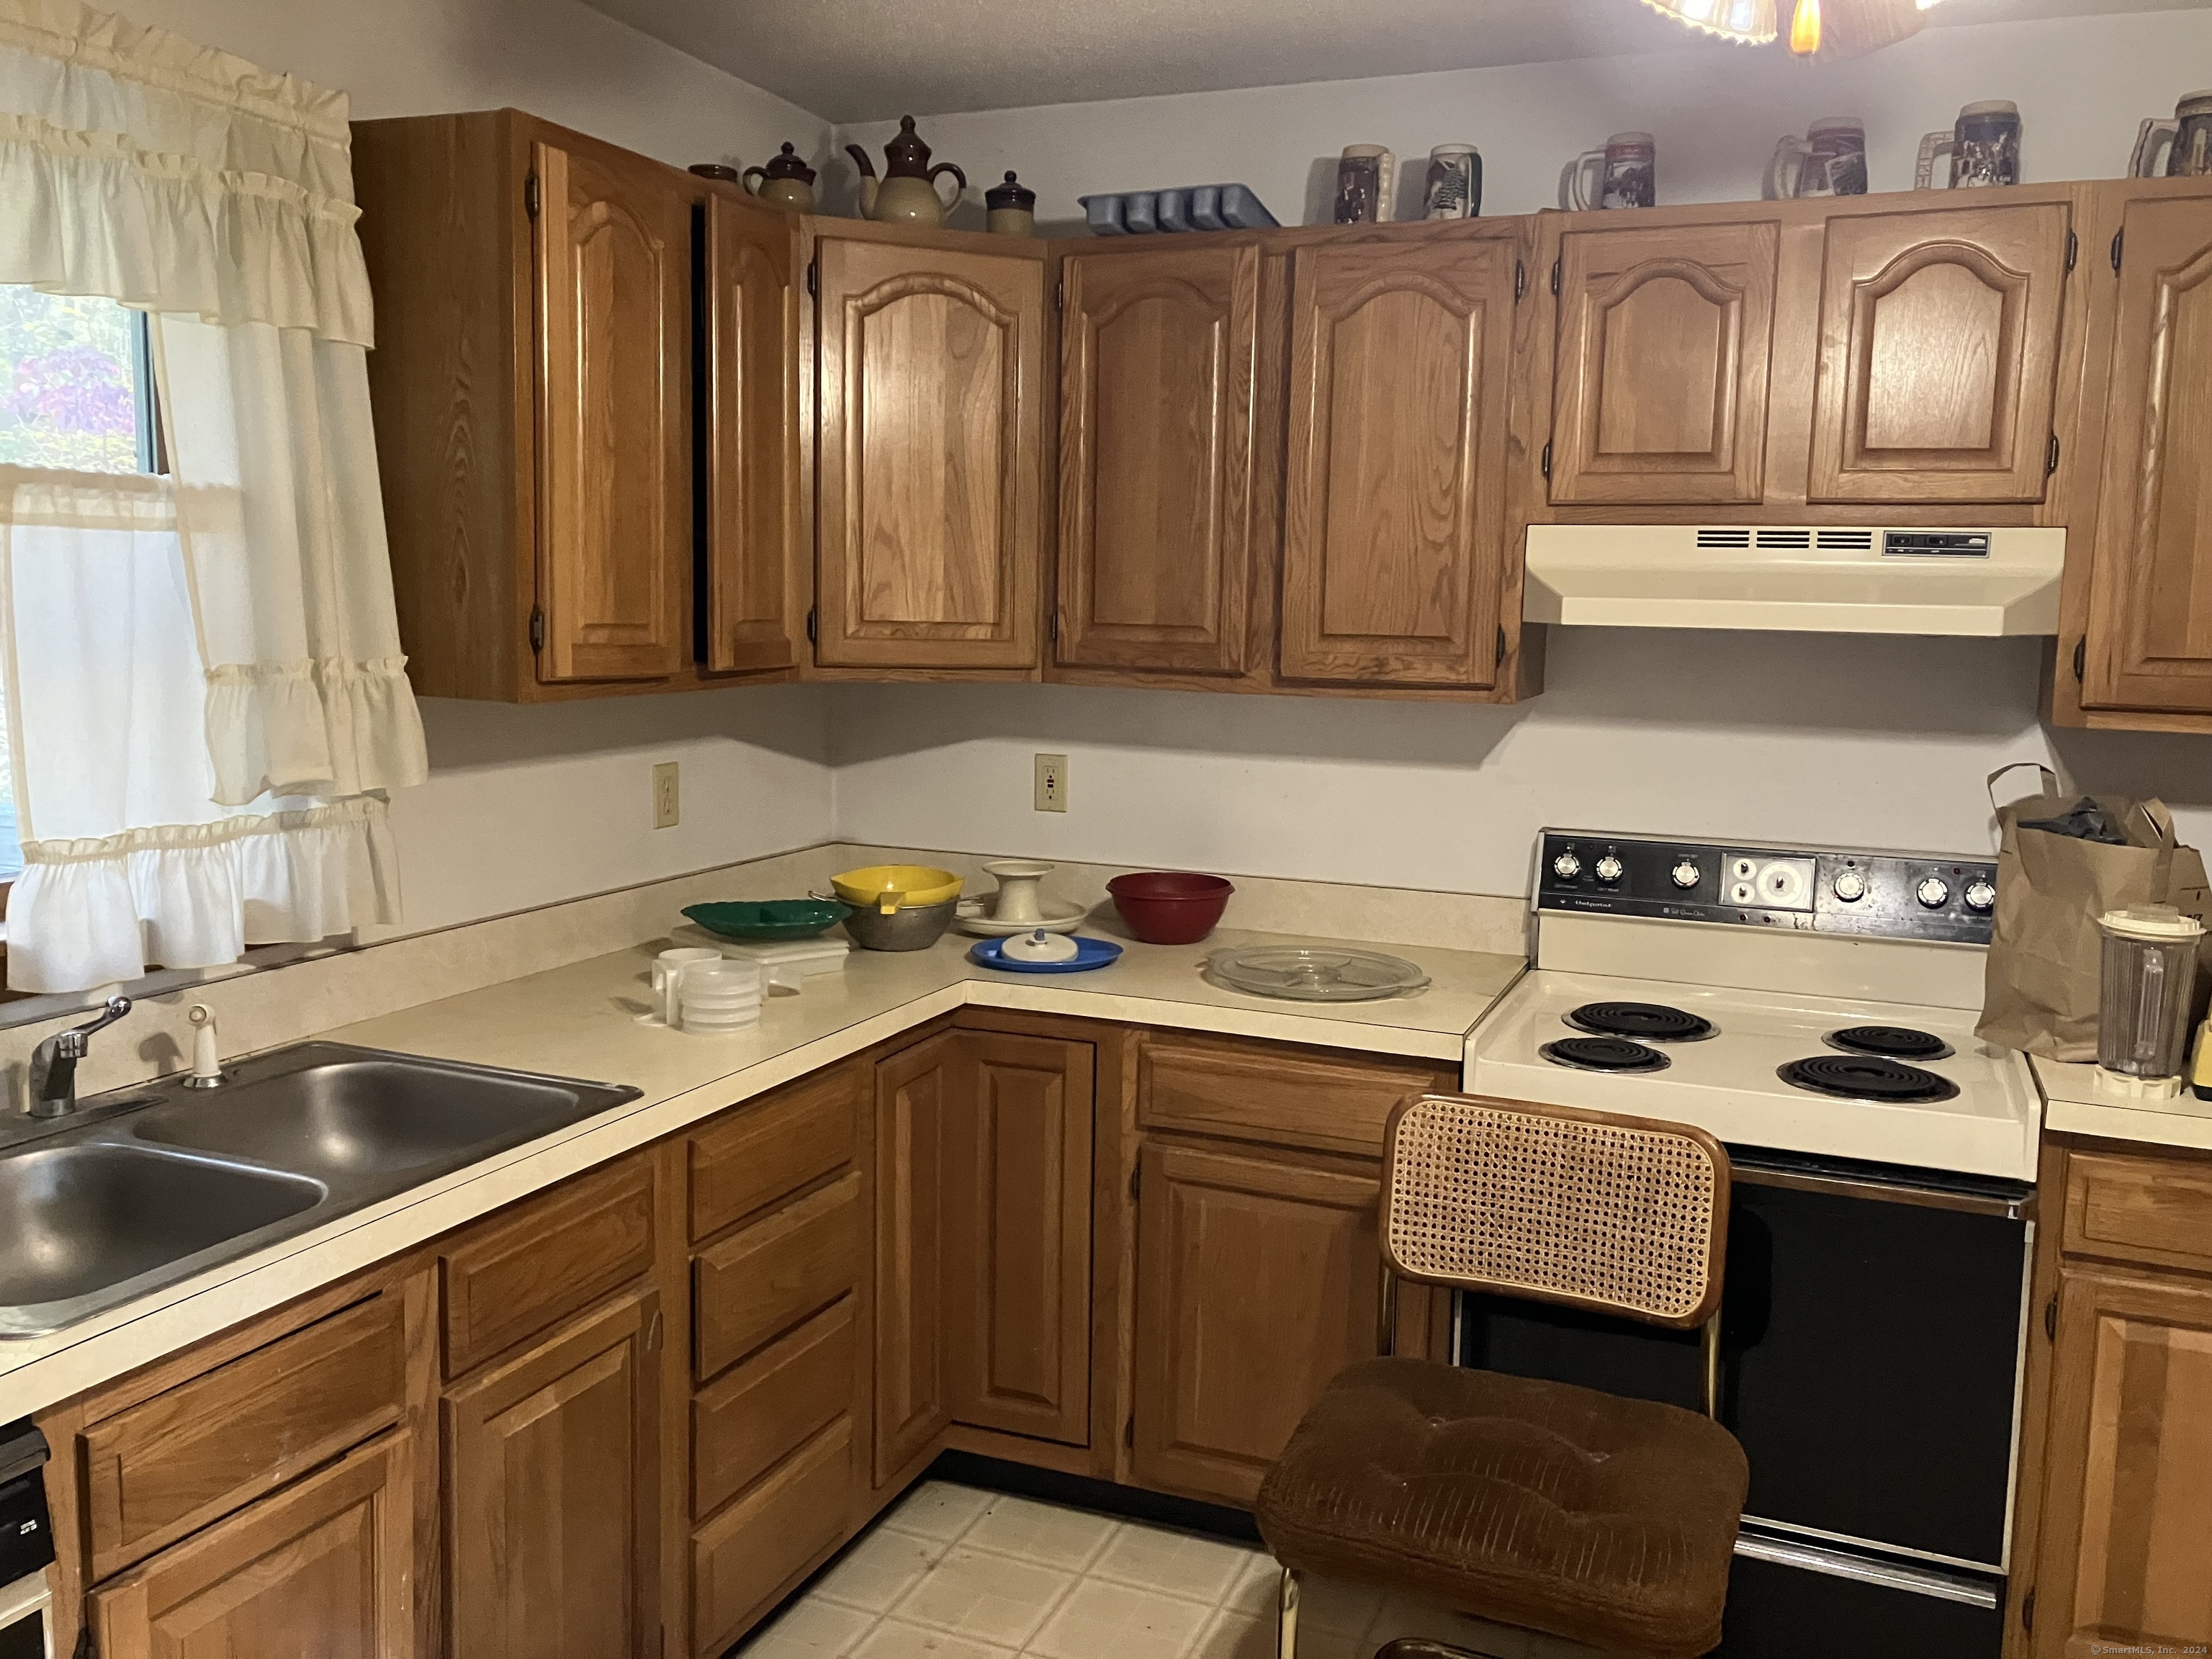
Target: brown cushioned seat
pixel 1606 1521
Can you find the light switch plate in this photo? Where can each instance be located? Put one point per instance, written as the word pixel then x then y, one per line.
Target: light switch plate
pixel 1052 783
pixel 667 806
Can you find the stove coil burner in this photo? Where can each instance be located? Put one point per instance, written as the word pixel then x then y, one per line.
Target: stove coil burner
pixel 1603 1053
pixel 1645 1022
pixel 1866 1077
pixel 1889 1043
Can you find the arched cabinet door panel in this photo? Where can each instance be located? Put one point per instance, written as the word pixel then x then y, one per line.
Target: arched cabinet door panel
pixel 1939 355
pixel 1394 535
pixel 611 250
pixel 928 456
pixel 755 586
pixel 1660 390
pixel 2149 641
pixel 1159 368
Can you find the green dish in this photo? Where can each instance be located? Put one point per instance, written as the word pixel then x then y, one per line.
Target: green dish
pixel 766 923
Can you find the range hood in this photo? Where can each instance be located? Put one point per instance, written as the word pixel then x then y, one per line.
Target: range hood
pixel 1822 579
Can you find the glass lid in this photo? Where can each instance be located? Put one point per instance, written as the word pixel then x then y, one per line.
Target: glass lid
pixel 1312 973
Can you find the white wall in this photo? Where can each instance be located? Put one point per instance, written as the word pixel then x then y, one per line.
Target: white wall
pixel 1867 741
pixel 2081 85
pixel 525 806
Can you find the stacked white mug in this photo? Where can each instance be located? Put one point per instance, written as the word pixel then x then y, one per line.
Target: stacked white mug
pixel 719 996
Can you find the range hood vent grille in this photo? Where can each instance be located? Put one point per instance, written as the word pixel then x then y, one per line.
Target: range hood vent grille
pixel 1849 579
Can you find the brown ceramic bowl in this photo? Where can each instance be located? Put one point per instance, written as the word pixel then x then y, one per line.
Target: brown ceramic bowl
pixel 1167 906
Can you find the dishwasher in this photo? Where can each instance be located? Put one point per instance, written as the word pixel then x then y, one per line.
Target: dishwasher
pixel 27 1546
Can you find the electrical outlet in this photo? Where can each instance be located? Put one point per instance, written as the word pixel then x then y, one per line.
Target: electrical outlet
pixel 666 807
pixel 1052 783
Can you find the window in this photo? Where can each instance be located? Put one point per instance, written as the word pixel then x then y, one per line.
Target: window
pixel 75 384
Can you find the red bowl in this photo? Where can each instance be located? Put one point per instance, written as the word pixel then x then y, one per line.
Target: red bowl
pixel 1166 907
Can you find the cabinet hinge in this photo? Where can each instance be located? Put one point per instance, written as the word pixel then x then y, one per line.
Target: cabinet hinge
pixel 1501 644
pixel 537 628
pixel 810 625
pixel 813 277
pixel 1056 628
pixel 530 196
pixel 2027 1611
pixel 652 1332
pixel 2051 457
pixel 1555 277
pixel 2119 240
pixel 2073 249
pixel 1060 297
pixel 1520 280
pixel 2051 1318
pixel 1136 1178
pixel 1548 461
pixel 1129 1434
pixel 2081 661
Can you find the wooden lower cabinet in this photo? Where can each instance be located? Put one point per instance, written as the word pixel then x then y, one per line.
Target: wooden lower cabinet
pixel 323 1567
pixel 1258 1278
pixel 553 1494
pixel 911 1399
pixel 2128 1491
pixel 1018 1224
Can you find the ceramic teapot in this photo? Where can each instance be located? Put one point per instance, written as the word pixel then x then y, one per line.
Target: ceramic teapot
pixel 906 193
pixel 786 180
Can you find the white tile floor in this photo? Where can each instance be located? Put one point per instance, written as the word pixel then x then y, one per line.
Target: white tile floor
pixel 952 1572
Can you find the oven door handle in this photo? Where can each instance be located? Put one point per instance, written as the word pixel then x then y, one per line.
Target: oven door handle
pixel 1864 1570
pixel 1884 1192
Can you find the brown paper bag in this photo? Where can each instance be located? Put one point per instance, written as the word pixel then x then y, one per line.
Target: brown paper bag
pixel 2046 953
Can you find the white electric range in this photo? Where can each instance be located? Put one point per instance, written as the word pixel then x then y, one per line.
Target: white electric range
pixel 1819 1002
pixel 1814 1009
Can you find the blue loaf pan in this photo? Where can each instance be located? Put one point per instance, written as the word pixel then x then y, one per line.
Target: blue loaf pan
pixel 1187 207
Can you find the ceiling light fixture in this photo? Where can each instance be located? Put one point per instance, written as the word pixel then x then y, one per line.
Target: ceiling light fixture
pixel 1747 23
pixel 1805 28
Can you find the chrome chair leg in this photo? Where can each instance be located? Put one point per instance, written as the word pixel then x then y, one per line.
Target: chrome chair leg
pixel 1287 1619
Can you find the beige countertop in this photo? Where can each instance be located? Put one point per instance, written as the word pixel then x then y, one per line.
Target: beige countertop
pixel 582 1020
pixel 2074 1105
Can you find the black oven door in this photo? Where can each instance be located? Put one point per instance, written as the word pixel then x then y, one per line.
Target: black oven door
pixel 1871 1337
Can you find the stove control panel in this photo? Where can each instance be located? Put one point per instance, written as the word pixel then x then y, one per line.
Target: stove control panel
pixel 1886 895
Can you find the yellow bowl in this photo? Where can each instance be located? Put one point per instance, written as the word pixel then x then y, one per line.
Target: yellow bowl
pixel 886 887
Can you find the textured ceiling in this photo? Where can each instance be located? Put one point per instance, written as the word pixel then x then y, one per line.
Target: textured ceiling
pixel 864 60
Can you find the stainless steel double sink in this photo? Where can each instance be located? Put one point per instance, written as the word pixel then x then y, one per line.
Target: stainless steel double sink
pixel 144 1187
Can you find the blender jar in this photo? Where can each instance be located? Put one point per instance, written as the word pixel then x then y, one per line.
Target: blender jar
pixel 2149 979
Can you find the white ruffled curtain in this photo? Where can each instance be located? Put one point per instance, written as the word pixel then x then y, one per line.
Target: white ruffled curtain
pixel 205 686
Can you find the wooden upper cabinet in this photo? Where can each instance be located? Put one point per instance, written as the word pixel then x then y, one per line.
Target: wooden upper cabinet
pixel 755 580
pixel 1939 355
pixel 929 455
pixel 2127 1497
pixel 1017 1216
pixel 611 253
pixel 552 1495
pixel 1394 533
pixel 2149 638
pixel 1661 377
pixel 1159 375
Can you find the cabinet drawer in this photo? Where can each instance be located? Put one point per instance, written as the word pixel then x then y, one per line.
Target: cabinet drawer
pixel 767 1279
pixel 756 1415
pixel 554 1255
pixel 1288 1096
pixel 770 1147
pixel 739 1558
pixel 174 1462
pixel 2141 1209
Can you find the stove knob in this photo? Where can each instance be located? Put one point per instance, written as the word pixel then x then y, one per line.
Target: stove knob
pixel 1850 886
pixel 1933 892
pixel 1610 869
pixel 1566 866
pixel 1980 895
pixel 1685 874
